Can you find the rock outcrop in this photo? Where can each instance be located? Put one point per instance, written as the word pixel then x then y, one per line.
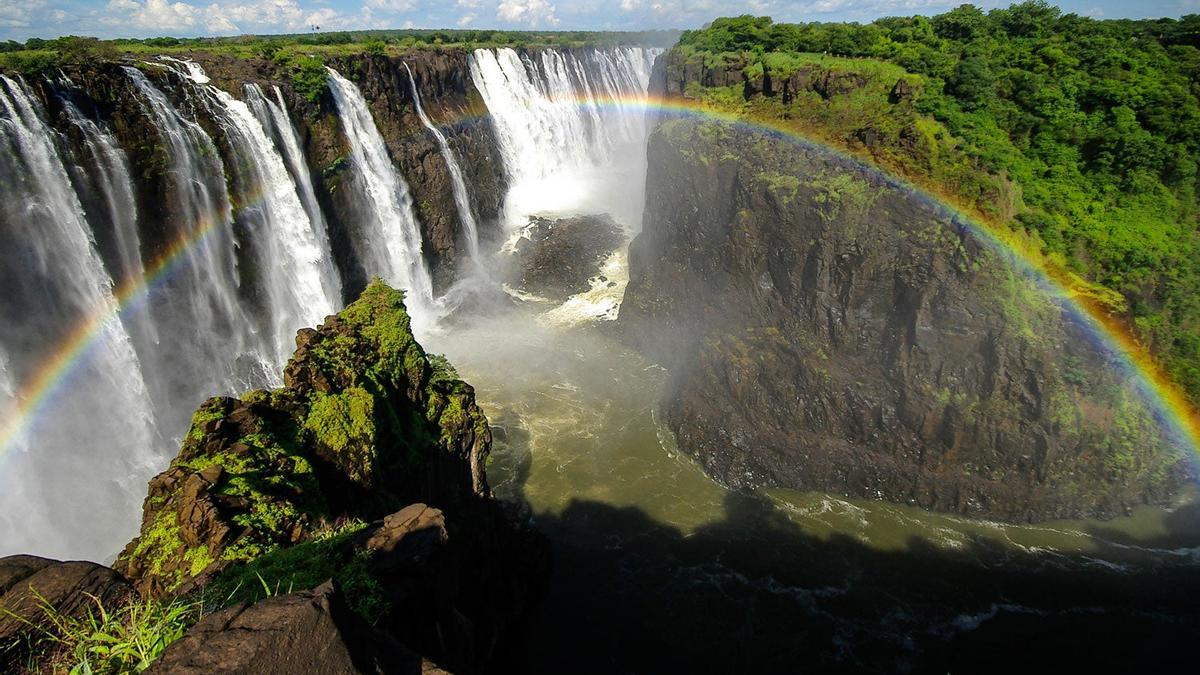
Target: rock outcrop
pixel 278 488
pixel 556 259
pixel 312 631
pixel 829 329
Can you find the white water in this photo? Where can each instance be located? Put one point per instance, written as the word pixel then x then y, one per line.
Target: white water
pixel 393 236
pixel 111 174
pixel 571 128
pixel 200 300
pixel 462 200
pixel 273 115
pixel 296 270
pixel 102 417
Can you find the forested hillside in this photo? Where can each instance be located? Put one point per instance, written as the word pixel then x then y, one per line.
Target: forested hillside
pixel 1081 133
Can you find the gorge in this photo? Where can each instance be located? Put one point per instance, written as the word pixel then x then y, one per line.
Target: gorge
pixel 774 384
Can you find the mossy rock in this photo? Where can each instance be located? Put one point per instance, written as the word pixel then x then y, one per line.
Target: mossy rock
pixel 364 425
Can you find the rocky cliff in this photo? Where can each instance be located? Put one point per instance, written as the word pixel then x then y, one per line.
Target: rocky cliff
pixel 829 329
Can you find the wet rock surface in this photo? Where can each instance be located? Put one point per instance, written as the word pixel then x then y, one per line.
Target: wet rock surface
pixel 827 329
pixel 555 259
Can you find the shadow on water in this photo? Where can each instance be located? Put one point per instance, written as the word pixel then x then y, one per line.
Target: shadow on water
pixel 754 593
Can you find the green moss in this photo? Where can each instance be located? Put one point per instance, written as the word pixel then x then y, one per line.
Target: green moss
pixel 345 423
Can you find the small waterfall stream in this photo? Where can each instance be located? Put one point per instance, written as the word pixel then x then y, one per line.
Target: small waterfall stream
pixel 462 199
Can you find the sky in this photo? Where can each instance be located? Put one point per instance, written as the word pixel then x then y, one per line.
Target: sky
pixel 21 19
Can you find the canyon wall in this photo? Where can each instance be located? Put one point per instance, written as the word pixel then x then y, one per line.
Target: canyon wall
pixel 827 328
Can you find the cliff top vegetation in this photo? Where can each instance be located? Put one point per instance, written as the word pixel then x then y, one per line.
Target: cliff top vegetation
pixel 1078 135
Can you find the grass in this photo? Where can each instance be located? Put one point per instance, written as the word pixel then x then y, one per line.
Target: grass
pixel 104 640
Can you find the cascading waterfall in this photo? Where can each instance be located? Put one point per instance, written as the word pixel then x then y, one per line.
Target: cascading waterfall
pixel 570 127
pixel 201 302
pixel 297 272
pixel 393 245
pixel 111 175
pixel 106 404
pixel 462 200
pixel 273 115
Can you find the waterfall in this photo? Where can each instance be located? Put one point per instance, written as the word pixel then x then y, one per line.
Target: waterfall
pixel 461 198
pixel 111 175
pixel 273 115
pixel 393 237
pixel 200 300
pixel 571 128
pixel 104 411
pixel 296 270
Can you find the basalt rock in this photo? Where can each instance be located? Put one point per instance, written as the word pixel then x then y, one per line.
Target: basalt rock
pixel 556 259
pixel 32 589
pixel 281 484
pixel 306 632
pixel 827 328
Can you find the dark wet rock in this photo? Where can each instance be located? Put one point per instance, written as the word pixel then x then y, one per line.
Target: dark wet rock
pixel 33 585
pixel 307 632
pixel 903 90
pixel 827 329
pixel 556 259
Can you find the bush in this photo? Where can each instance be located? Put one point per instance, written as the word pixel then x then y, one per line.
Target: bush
pixel 309 77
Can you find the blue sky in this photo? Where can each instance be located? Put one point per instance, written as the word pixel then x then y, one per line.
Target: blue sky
pixel 20 19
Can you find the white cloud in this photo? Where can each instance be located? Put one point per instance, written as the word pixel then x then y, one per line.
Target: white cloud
pixel 18 14
pixel 533 13
pixel 469 4
pixel 630 5
pixel 392 5
pixel 465 20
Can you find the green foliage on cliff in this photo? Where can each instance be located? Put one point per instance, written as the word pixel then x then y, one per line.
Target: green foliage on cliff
pixel 1081 133
pixel 309 77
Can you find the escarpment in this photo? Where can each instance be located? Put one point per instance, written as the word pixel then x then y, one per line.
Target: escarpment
pixel 366 467
pixel 829 329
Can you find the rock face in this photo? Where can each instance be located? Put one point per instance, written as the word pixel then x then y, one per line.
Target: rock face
pixel 826 329
pixel 29 585
pixel 279 484
pixel 307 632
pixel 556 259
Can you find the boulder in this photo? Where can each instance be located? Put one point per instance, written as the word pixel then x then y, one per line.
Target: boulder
pixel 34 586
pixel 556 259
pixel 306 632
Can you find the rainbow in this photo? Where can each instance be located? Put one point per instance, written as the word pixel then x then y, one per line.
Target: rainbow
pixel 54 372
pixel 1166 399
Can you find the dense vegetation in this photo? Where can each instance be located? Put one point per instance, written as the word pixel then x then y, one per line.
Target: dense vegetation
pixel 40 55
pixel 1087 133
